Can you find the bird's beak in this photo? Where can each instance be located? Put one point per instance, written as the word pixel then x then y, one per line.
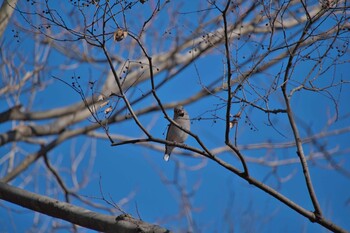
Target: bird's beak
pixel 181 113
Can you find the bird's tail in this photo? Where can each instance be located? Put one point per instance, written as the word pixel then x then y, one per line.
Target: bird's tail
pixel 166 157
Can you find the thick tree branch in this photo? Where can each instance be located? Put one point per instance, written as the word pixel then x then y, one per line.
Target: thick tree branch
pixel 6 10
pixel 74 214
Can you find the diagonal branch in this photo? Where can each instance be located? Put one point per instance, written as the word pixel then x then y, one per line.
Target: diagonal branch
pixel 6 11
pixel 74 214
pixel 297 137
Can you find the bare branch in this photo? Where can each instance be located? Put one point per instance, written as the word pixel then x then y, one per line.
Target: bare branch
pixel 75 214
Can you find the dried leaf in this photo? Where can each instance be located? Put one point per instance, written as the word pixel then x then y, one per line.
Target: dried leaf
pixel 120 34
pixel 233 123
pixel 108 110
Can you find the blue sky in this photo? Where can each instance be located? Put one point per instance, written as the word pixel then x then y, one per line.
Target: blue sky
pixel 219 199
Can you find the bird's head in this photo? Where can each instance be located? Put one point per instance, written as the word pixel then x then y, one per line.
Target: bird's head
pixel 179 111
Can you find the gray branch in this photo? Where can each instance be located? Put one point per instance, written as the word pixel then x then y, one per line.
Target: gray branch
pixel 6 12
pixel 74 214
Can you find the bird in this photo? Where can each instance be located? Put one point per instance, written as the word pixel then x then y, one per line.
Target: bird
pixel 174 133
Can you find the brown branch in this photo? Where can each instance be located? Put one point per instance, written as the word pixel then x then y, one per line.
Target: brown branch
pixel 15 113
pixel 297 138
pixel 122 94
pixel 75 214
pixel 306 213
pixel 30 159
pixel 6 12
pixel 229 92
